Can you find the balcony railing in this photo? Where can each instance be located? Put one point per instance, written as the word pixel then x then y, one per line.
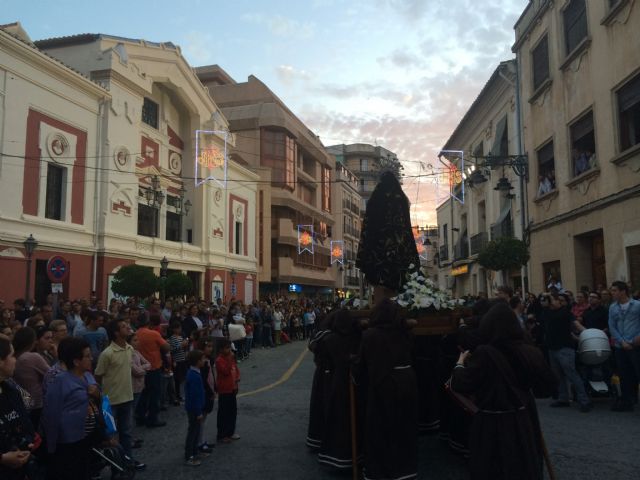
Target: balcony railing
pixel 478 242
pixel 461 249
pixel 351 280
pixel 444 252
pixel 350 230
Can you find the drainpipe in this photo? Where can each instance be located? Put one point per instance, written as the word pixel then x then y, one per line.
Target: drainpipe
pixel 96 187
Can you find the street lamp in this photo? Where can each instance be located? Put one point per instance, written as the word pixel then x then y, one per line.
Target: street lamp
pixel 182 208
pixel 155 198
pixel 30 245
pixel 164 264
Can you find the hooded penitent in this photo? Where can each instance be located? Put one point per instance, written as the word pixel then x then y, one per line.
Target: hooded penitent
pixel 387 246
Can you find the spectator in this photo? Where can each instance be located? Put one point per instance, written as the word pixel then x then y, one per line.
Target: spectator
pixel 267 324
pixel 139 368
pixel 113 372
pixel 228 376
pixel 65 413
pixel 596 316
pixel 192 322
pixel 544 185
pixel 624 326
pixel 309 320
pixel 16 430
pixel 95 334
pixel 505 292
pixel 151 346
pixel 518 308
pixel 45 346
pixel 562 355
pixel 194 403
pixel 277 324
pixel 178 348
pixel 580 306
pixel 205 345
pixel 30 370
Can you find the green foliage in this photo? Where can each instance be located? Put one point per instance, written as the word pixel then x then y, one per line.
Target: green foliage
pixel 177 285
pixel 504 253
pixel 135 281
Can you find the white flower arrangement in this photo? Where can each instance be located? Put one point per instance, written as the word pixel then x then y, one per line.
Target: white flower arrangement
pixel 420 293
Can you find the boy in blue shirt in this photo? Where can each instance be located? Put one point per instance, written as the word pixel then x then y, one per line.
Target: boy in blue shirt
pixel 194 404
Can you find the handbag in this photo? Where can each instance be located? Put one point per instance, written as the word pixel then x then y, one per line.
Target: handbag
pixel 109 420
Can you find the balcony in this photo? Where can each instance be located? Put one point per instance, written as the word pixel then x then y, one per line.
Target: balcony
pixel 444 252
pixel 461 250
pixel 478 242
pixel 351 230
pixel 351 280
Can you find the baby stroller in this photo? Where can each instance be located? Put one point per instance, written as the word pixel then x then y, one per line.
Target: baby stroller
pixel 594 352
pixel 122 467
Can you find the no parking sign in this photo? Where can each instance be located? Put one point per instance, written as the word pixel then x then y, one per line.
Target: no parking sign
pixel 57 269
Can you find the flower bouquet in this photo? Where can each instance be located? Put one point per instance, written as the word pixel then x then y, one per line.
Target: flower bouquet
pixel 435 311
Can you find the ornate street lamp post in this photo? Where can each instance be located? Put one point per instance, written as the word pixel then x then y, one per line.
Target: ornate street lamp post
pixel 164 263
pixel 30 245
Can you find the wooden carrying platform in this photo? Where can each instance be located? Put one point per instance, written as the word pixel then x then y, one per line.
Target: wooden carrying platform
pixel 432 323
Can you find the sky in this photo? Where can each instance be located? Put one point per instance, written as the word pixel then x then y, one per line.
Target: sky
pixel 396 73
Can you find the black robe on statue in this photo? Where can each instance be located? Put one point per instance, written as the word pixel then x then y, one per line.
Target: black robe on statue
pixel 505 438
pixel 391 433
pixel 337 349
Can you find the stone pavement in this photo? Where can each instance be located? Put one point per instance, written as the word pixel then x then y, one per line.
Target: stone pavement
pixel 273 422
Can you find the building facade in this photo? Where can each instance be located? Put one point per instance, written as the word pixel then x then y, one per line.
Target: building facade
pixel 579 69
pixel 366 162
pixel 477 212
pixel 121 185
pixel 296 179
pixel 346 210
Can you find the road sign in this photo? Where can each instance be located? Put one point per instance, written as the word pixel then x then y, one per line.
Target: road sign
pixel 56 288
pixel 57 269
pixel 234 290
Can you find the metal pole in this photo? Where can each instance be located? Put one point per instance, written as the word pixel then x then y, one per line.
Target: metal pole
pixel 27 288
pixel 525 270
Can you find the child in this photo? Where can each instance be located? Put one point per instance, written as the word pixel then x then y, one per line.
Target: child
pixel 228 376
pixel 194 403
pixel 139 368
pixel 248 340
pixel 206 371
pixel 178 346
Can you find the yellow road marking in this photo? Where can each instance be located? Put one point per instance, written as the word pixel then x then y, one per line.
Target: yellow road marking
pixel 282 379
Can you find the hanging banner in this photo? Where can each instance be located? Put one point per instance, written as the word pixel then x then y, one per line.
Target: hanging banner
pixel 453 163
pixel 211 158
pixel 337 252
pixel 305 239
pixel 419 238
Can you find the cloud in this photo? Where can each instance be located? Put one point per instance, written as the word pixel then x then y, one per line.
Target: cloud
pixel 402 58
pixel 282 26
pixel 198 47
pixel 287 74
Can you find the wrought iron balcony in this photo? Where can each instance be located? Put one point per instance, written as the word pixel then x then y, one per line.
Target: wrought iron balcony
pixel 444 252
pixel 478 242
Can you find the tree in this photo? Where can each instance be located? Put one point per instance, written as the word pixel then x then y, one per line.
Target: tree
pixel 504 253
pixel 135 281
pixel 177 285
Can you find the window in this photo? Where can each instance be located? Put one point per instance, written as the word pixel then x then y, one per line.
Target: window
pixel 540 60
pixel 238 239
pixel 552 273
pixel 326 189
pixel 308 195
pixel 150 113
pixel 364 164
pixel 173 233
pixel 279 152
pixel 261 227
pixel 629 113
pixel 583 145
pixel 147 220
pixel 575 24
pixel 55 192
pixel 445 234
pixel 546 169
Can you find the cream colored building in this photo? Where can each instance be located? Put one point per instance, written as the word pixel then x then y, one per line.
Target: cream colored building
pixel 296 177
pixel 579 65
pixel 117 135
pixel 366 162
pixel 346 210
pixel 489 127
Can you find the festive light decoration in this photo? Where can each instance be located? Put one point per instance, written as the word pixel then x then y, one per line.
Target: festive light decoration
pixel 337 252
pixel 211 160
pixel 419 237
pixel 453 162
pixel 305 239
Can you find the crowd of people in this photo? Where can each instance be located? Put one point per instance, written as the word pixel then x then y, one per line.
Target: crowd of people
pixel 476 387
pixel 78 376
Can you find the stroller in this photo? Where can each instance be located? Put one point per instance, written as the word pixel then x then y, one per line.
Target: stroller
pixel 122 467
pixel 594 352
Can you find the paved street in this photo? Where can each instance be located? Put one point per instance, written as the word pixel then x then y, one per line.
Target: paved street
pixel 273 421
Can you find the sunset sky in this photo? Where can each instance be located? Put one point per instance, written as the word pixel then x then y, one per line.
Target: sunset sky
pixel 397 73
